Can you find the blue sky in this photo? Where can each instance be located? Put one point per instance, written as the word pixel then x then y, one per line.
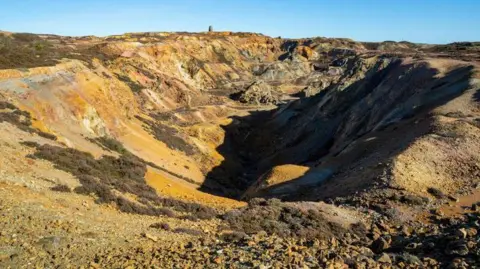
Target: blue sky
pixel 426 21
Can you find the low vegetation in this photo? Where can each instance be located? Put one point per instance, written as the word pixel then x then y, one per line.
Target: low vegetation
pixel 276 217
pixel 169 135
pixel 110 179
pixel 109 143
pixel 188 231
pixel 161 226
pixel 134 86
pixel 25 50
pixel 61 188
pixel 21 119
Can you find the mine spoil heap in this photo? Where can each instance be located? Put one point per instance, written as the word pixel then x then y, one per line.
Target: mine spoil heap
pixel 238 150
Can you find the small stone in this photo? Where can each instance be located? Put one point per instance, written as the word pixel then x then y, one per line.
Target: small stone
pixel 366 252
pixel 50 242
pixel 384 258
pixel 7 252
pixel 381 244
pixel 438 212
pixel 406 231
pixel 461 233
pixel 218 260
pixel 429 262
pixel 411 259
pixel 471 232
pixel 453 198
pixel 453 221
pixel 412 246
pixel 458 263
pixel 334 242
pixel 150 236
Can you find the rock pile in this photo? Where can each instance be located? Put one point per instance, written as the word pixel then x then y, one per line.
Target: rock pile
pixel 259 93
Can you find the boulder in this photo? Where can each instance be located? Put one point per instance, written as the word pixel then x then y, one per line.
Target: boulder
pixel 309 91
pixel 381 244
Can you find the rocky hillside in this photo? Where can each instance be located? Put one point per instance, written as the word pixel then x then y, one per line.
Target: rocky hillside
pixel 237 150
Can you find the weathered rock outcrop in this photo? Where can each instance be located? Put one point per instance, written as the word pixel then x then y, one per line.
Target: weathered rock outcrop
pixel 259 93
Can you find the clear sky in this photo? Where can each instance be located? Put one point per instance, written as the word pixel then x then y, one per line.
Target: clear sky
pixel 427 21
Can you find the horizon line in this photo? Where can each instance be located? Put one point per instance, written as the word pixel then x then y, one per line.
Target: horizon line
pixel 235 32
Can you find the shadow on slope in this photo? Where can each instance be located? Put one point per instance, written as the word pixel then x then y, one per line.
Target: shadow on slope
pixel 476 96
pixel 333 130
pixel 362 163
pixel 232 176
